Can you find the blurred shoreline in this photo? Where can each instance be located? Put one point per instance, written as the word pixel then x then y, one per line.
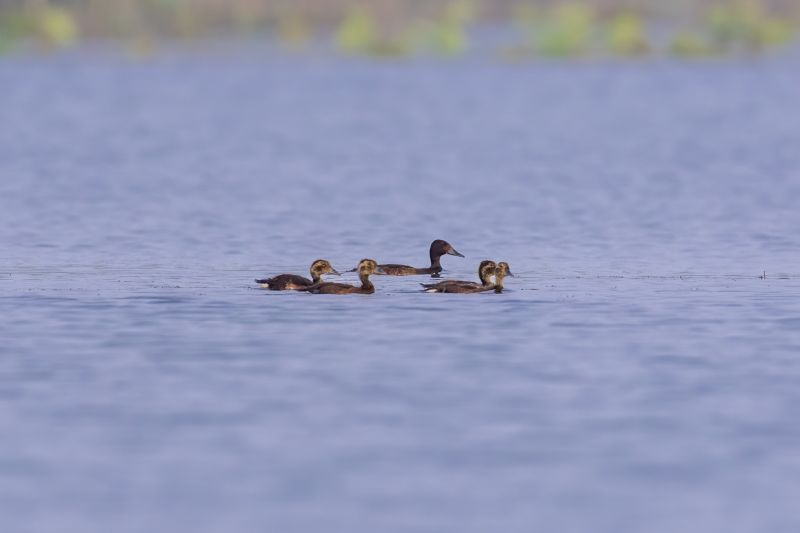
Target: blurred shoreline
pixel 404 28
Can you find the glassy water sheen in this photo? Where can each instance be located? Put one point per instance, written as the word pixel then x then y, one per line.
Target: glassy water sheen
pixel 638 375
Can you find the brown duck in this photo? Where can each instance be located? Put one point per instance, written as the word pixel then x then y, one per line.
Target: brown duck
pixel 501 272
pixel 365 268
pixel 438 249
pixel 293 282
pixel 485 272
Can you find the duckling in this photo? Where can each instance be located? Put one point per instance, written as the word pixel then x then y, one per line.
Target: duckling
pixel 293 282
pixel 485 271
pixel 366 267
pixel 501 272
pixel 438 249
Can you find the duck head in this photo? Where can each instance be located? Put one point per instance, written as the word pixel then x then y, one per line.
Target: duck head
pixel 368 267
pixel 485 271
pixel 320 267
pixel 440 248
pixel 502 271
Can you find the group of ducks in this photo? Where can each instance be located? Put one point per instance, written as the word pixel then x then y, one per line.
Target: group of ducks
pixel 369 267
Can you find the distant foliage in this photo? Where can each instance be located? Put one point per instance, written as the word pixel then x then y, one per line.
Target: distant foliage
pixel 566 31
pixel 740 26
pixel 398 28
pixel 689 44
pixel 361 33
pixel 627 35
pixel 744 25
pixel 448 34
pixel 56 27
pixel 46 25
pixel 357 32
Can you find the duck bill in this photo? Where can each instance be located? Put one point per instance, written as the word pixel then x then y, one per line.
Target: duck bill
pixel 334 272
pixel 510 275
pixel 453 251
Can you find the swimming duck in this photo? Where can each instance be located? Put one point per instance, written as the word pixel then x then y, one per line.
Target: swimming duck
pixel 485 271
pixel 366 267
pixel 438 249
pixel 293 282
pixel 501 272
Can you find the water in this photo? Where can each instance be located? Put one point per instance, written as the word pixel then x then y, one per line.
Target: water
pixel 637 375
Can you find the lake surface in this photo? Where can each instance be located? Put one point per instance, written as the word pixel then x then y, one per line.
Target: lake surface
pixel 637 375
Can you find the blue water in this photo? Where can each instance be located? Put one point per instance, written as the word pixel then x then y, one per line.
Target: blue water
pixel 637 375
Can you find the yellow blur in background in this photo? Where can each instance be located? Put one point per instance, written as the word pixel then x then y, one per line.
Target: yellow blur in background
pixel 399 28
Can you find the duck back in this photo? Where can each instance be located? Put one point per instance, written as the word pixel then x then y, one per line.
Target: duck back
pixel 453 286
pixel 338 288
pixel 285 282
pixel 406 270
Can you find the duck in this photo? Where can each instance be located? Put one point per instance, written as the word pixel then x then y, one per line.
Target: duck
pixel 485 271
pixel 501 272
pixel 293 282
pixel 365 268
pixel 438 249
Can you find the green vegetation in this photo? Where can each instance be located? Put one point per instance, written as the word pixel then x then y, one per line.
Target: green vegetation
pixel 567 30
pixel 55 27
pixel 399 28
pixel 740 26
pixel 49 26
pixel 11 30
pixel 744 25
pixel 449 33
pixel 358 32
pixel 627 35
pixel 689 44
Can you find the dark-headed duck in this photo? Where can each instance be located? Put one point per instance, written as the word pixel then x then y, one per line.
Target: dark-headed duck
pixel 365 268
pixel 438 249
pixel 485 272
pixel 293 282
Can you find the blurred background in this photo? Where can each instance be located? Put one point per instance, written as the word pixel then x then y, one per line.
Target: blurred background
pixel 512 29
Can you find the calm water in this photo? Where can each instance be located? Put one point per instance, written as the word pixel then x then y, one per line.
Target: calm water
pixel 636 376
